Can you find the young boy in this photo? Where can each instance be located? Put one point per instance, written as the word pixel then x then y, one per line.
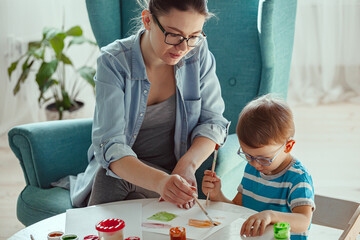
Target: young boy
pixel 275 183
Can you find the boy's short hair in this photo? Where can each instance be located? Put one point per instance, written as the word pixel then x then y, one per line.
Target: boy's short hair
pixel 265 120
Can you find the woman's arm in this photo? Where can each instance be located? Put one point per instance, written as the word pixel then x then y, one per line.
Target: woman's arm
pixel 199 151
pixel 170 187
pixel 187 165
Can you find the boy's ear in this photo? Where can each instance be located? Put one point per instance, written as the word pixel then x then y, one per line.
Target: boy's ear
pixel 289 145
pixel 146 19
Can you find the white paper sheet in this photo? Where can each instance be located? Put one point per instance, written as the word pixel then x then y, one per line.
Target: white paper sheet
pixel 183 216
pixel 82 221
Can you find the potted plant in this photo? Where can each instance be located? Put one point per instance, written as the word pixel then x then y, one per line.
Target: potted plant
pixel 48 59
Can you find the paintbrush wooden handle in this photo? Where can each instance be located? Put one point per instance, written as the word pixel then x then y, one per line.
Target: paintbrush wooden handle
pixel 213 169
pixel 203 209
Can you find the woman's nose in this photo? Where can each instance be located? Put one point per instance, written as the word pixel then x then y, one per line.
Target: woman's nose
pixel 183 46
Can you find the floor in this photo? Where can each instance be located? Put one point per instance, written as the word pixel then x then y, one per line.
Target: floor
pixel 327 142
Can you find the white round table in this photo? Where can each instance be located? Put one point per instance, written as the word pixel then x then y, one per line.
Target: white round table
pixel 40 229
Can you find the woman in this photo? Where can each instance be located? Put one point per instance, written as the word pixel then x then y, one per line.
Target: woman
pixel 158 112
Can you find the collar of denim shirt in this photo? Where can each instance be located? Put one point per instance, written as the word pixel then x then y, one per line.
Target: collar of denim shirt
pixel 138 69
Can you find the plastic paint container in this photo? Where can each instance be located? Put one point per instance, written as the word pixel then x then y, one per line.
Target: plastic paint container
pixel 111 229
pixel 282 230
pixel 91 237
pixel 69 237
pixel 55 235
pixel 177 233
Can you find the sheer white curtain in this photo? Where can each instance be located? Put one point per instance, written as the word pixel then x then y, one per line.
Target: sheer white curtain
pixel 326 57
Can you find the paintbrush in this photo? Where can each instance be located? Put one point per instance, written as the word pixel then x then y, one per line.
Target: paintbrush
pixel 197 201
pixel 203 209
pixel 213 169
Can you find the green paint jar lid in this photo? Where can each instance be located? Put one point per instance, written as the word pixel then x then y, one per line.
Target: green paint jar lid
pixel 69 237
pixel 282 230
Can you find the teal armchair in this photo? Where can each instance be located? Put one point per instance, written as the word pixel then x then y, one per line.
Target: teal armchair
pixel 252 43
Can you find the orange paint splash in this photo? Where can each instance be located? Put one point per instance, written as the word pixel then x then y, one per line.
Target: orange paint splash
pixel 201 223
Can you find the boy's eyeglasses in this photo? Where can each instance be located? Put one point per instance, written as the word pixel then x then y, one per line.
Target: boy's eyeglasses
pixel 261 160
pixel 176 39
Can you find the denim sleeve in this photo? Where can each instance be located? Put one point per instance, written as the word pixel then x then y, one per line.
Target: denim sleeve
pixel 211 124
pixel 109 125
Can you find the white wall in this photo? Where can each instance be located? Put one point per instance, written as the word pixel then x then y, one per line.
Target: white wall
pixel 22 21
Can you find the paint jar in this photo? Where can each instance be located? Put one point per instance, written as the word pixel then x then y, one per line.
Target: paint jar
pixel 177 233
pixel 91 237
pixel 282 230
pixel 69 237
pixel 55 235
pixel 132 238
pixel 111 229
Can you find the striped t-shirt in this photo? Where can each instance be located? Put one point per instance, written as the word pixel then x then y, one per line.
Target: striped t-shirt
pixel 290 188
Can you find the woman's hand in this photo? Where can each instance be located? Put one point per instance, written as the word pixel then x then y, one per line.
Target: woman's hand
pixel 211 184
pixel 255 225
pixel 188 175
pixel 175 190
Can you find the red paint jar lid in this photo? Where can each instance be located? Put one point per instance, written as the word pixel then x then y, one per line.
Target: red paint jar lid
pixel 110 225
pixel 91 237
pixel 132 238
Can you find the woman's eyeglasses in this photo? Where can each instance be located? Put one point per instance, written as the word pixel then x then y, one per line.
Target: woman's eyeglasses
pixel 176 39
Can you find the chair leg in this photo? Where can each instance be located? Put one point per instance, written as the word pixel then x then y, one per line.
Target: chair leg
pixel 353 229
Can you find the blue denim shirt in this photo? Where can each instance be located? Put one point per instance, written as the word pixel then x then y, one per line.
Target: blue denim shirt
pixel 122 89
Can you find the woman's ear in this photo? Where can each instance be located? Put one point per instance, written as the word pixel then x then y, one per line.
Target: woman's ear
pixel 289 145
pixel 146 18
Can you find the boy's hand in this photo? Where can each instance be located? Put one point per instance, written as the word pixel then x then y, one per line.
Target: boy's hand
pixel 212 184
pixel 255 225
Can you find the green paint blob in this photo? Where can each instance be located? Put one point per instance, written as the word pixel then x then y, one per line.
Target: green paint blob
pixel 163 216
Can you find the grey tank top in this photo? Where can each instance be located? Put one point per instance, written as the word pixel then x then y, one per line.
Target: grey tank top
pixel 155 141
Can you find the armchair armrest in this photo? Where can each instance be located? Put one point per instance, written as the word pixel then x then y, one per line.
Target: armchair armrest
pixel 48 151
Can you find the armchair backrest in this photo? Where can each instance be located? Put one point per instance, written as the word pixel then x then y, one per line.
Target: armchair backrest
pixel 251 40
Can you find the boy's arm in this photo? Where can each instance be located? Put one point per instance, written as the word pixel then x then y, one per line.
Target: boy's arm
pixel 299 220
pixel 237 199
pixel 212 184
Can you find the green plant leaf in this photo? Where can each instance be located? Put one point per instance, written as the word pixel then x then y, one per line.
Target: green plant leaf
pixel 46 70
pixel 25 72
pixel 35 44
pixel 65 59
pixel 50 32
pixel 81 40
pixel 66 103
pixel 12 67
pixel 88 74
pixel 57 43
pixel 74 31
pixel 50 83
pixel 39 53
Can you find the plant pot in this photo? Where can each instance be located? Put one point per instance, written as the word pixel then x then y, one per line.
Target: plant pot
pixel 75 112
